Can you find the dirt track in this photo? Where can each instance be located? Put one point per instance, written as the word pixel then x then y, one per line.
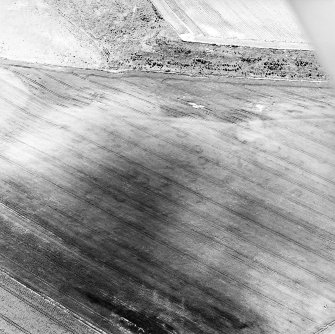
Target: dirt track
pixel 153 203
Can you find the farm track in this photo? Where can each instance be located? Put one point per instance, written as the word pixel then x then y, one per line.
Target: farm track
pixel 216 220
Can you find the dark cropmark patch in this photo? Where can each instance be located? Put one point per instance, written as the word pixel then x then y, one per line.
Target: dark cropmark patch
pixel 137 322
pixel 205 310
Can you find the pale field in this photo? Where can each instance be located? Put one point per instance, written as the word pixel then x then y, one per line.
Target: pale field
pixel 256 23
pixel 30 30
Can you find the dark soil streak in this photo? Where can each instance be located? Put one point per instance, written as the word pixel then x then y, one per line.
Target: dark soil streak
pixel 137 322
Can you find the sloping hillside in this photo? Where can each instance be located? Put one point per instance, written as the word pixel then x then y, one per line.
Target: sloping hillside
pixel 122 27
pixel 164 204
pixel 133 35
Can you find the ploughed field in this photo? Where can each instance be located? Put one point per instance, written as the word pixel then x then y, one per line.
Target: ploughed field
pixel 255 23
pixel 151 203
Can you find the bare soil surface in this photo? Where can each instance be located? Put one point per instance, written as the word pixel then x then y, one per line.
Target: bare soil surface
pixel 132 34
pixel 33 31
pixel 154 203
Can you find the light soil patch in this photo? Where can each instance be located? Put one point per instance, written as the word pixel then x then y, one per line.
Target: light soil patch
pixel 254 23
pixel 32 31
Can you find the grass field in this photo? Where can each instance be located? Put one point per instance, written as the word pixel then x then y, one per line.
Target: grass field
pixel 255 23
pixel 152 203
